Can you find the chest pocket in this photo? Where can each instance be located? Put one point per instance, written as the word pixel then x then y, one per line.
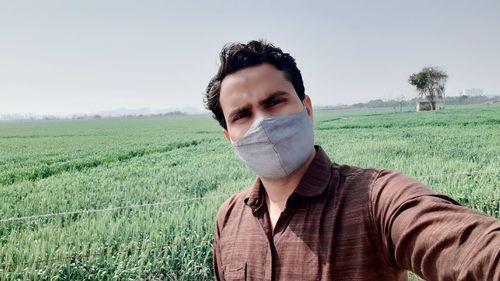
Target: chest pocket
pixel 235 272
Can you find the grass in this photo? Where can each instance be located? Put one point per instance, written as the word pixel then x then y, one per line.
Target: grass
pixel 49 167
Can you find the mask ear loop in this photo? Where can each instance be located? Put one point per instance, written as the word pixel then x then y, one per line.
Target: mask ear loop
pixel 305 110
pixel 303 103
pixel 304 106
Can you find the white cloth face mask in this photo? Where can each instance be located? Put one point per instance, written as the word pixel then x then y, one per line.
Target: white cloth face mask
pixel 275 146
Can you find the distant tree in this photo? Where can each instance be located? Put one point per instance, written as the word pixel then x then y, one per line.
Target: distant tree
pixel 463 99
pixel 401 100
pixel 430 82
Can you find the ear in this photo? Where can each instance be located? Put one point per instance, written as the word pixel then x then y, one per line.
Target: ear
pixel 308 104
pixel 226 134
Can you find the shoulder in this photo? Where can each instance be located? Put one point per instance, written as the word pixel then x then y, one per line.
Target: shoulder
pixel 393 193
pixel 390 186
pixel 383 187
pixel 382 181
pixel 234 204
pixel 355 177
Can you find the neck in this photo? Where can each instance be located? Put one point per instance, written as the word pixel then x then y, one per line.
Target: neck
pixel 278 190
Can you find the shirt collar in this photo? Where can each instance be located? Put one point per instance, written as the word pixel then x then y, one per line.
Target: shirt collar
pixel 313 183
pixel 317 177
pixel 255 198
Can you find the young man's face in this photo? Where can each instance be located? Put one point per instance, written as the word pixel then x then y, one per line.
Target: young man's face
pixel 257 91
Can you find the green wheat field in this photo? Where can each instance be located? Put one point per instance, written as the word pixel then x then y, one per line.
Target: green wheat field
pixel 135 198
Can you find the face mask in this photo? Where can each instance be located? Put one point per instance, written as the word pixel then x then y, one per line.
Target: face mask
pixel 275 146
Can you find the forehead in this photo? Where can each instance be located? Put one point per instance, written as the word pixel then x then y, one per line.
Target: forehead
pixel 251 85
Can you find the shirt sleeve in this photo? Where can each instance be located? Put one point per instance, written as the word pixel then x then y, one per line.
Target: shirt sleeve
pixel 432 235
pixel 217 263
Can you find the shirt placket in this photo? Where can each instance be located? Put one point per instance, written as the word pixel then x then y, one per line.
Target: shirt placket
pixel 260 214
pixel 273 236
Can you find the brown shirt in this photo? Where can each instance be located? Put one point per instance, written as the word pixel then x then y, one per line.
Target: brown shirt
pixel 347 223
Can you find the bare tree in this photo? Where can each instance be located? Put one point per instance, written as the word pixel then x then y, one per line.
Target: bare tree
pixel 401 100
pixel 430 82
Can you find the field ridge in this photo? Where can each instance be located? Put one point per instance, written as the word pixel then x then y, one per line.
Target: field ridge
pixel 43 172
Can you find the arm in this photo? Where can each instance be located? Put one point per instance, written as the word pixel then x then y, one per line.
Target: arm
pixel 430 234
pixel 217 263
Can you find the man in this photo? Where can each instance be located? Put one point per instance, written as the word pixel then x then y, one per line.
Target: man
pixel 306 218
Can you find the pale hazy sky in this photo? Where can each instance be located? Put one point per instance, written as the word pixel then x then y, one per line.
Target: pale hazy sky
pixel 62 57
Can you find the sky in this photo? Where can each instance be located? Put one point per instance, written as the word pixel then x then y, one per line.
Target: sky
pixel 82 57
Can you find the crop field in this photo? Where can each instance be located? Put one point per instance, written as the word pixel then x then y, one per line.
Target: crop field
pixel 135 198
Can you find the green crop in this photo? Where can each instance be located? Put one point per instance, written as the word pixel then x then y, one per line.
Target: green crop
pixel 135 198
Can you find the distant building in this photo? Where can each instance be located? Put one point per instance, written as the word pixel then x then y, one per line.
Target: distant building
pixel 472 92
pixel 427 105
pixel 424 106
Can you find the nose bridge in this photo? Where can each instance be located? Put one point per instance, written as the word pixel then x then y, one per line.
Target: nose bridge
pixel 259 114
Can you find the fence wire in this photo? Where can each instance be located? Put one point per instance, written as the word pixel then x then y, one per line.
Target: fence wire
pixel 110 209
pixel 148 205
pixel 166 245
pixel 459 174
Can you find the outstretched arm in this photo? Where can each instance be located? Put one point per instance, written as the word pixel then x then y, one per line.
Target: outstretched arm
pixel 430 234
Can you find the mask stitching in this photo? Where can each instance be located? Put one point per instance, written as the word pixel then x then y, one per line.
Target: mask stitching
pixel 274 148
pixel 237 143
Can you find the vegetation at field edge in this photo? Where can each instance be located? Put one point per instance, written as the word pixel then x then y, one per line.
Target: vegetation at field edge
pixel 56 166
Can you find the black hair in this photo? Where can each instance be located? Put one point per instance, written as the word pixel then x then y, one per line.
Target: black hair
pixel 236 56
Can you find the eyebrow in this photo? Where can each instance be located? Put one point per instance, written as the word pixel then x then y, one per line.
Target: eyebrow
pixel 238 111
pixel 272 97
pixel 246 109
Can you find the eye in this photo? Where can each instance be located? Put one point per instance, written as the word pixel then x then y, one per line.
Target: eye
pixel 275 102
pixel 240 116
